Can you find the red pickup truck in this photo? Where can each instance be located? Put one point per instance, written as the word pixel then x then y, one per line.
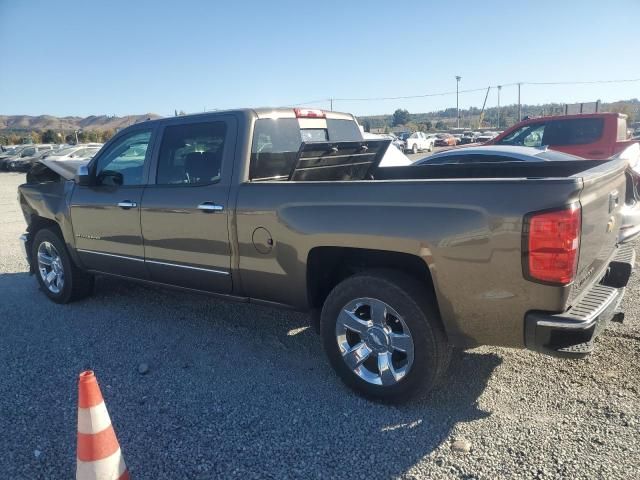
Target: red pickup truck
pixel 595 136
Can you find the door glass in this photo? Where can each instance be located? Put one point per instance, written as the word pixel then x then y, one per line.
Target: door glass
pixel 123 163
pixel 191 154
pixel 527 136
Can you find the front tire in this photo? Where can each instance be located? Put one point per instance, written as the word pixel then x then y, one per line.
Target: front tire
pixel 414 149
pixel 382 335
pixel 59 278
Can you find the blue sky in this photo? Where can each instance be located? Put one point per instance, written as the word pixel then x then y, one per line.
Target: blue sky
pixel 123 57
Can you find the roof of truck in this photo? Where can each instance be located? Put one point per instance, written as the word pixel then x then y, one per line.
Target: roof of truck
pixel 262 112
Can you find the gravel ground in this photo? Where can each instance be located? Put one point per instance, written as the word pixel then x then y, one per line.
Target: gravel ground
pixel 243 391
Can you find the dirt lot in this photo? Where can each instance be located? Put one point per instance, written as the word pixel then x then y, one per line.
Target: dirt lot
pixel 242 391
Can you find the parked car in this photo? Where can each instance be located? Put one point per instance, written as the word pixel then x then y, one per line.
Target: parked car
pixel 26 151
pixel 487 136
pixel 445 140
pixel 458 138
pixel 418 142
pixel 595 136
pixel 22 164
pixel 394 264
pixel 468 137
pixel 77 152
pixel 10 152
pixel 495 154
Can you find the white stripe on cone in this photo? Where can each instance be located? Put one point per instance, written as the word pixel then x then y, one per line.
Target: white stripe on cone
pixel 109 468
pixel 94 419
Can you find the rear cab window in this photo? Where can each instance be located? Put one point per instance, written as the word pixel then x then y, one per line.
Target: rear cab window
pixel 276 142
pixel 578 131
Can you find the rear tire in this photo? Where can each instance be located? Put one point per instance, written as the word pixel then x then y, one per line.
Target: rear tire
pixel 414 149
pixel 416 363
pixel 59 278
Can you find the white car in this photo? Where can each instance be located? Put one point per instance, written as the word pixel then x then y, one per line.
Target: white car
pixel 76 152
pixel 419 142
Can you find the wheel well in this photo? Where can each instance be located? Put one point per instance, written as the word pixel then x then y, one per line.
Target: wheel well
pixel 328 266
pixel 38 223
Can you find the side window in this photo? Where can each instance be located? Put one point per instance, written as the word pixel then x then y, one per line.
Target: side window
pixel 574 132
pixel 191 154
pixel 527 136
pixel 447 159
pixel 28 152
pixel 123 163
pixel 274 149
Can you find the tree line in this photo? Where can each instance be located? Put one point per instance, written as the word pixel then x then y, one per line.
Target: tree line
pixel 493 117
pixel 56 136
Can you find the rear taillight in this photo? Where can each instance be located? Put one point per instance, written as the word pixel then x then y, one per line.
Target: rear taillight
pixel 309 113
pixel 551 244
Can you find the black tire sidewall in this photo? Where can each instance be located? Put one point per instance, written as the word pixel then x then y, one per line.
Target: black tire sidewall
pixel 423 373
pixel 67 289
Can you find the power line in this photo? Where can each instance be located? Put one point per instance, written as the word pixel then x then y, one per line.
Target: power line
pixel 628 80
pixel 442 94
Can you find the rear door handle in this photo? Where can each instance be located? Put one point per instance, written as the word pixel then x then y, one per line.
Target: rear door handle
pixel 210 207
pixel 127 204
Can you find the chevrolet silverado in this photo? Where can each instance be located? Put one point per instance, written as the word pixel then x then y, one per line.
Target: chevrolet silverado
pixel 289 208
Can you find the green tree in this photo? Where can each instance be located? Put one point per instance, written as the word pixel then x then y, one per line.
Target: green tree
pixel 440 125
pixel 625 109
pixel 425 126
pixel 107 134
pixel 49 136
pixel 35 137
pixel 401 117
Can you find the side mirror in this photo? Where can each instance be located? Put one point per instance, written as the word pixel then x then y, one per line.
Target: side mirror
pixel 82 176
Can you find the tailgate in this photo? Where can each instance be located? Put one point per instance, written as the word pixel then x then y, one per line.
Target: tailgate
pixel 602 199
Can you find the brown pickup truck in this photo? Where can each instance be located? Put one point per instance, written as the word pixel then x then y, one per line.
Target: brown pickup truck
pixel 290 208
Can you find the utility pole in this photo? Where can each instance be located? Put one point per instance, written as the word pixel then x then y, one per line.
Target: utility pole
pixel 499 88
pixel 519 104
pixel 457 102
pixel 331 102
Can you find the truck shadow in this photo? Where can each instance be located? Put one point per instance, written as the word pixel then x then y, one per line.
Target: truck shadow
pixel 273 405
pixel 233 390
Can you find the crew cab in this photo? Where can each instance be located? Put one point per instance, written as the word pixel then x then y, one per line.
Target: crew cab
pixel 595 136
pixel 289 208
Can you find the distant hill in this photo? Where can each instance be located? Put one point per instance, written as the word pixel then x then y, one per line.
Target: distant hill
pixel 25 123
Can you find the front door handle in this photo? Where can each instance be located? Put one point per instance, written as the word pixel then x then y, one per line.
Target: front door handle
pixel 210 207
pixel 127 204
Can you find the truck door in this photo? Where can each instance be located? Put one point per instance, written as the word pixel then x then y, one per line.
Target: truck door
pixel 185 212
pixel 106 214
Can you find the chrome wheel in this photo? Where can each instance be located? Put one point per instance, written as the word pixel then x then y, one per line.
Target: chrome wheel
pixel 374 341
pixel 50 267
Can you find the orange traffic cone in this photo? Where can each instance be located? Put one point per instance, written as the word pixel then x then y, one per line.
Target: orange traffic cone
pixel 99 455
